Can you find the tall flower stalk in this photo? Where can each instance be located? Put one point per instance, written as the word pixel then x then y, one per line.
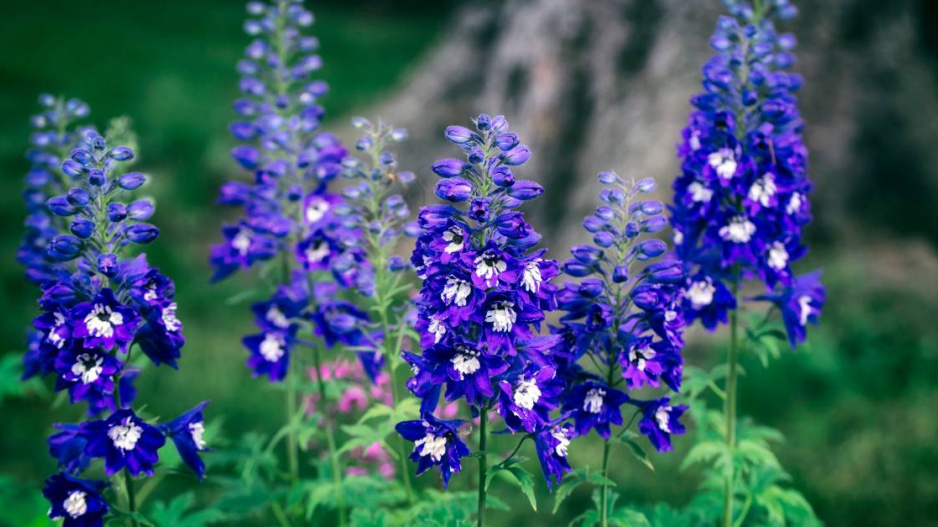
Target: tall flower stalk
pixel 99 302
pixel 623 327
pixel 742 201
pixel 290 225
pixel 484 294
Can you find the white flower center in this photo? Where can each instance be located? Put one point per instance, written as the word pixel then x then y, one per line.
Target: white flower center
pixel 763 190
pixel 701 294
pixel 560 434
pixel 739 230
pixel 317 251
pixel 531 278
pixel 639 357
pixel 197 430
pixel 593 402
pixel 271 347
pixel 794 204
pixel 466 362
pixel 694 141
pixel 526 393
pixel 102 320
pixel 699 193
pixel 276 317
pixel 150 295
pixel 431 445
pixel 88 367
pixel 125 435
pixel 241 242
pixel 454 239
pixel 724 162
pixel 502 316
pixel 437 328
pixel 75 504
pixel 316 209
pixel 456 291
pixel 169 318
pixel 778 256
pixel 663 417
pixel 804 309
pixel 489 266
pixel 678 237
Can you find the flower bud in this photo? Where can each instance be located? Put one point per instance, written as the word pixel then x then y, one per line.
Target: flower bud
pixel 121 153
pixel 246 156
pixel 142 233
pixel 60 206
pixel 140 210
pixel 604 239
pixel 502 176
pixel 64 247
pixel 97 178
pixel 576 269
pixel 593 224
pixel 447 168
pixel 620 274
pixel 82 228
pixel 458 134
pixel 479 210
pixel 525 190
pixel 645 186
pixel 454 190
pixel 116 212
pixel 506 141
pixel 654 224
pixel 517 155
pixel 79 197
pixel 592 287
pixel 483 122
pixel 107 264
pixel 512 225
pixel 649 249
pixel 72 168
pixel 586 254
pixel 131 181
pixel 81 156
pixel 608 178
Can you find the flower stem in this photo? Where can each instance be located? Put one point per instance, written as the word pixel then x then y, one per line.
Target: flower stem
pixel 402 447
pixel 292 443
pixel 730 405
pixel 483 464
pixel 330 436
pixel 131 499
pixel 603 505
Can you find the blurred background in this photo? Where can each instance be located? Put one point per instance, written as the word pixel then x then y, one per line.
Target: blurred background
pixel 590 86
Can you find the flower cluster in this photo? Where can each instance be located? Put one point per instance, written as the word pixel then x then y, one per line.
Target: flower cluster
pixel 97 305
pixel 624 315
pixel 742 199
pixel 288 211
pixel 485 292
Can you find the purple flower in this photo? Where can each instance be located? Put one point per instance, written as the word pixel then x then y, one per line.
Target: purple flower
pixel 527 399
pixel 68 448
pixel 104 322
pixel 87 374
pixel 660 421
pixel 78 502
pixel 243 247
pixel 161 337
pixel 800 304
pixel 595 405
pixel 551 443
pixel 124 441
pixel 186 431
pixel 436 442
pixel 270 354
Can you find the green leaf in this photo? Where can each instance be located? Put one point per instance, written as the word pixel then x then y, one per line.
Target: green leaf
pixel 174 514
pixel 629 437
pixel 567 486
pixel 706 452
pixel 523 478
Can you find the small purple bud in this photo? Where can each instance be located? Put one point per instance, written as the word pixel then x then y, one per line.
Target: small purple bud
pixel 586 254
pixel 506 141
pixel 121 153
pixel 242 130
pixel 611 195
pixel 512 225
pixel 396 263
pixel 140 210
pixel 499 123
pixel 116 212
pixel 79 197
pixel 82 227
pixel 60 206
pixel 650 208
pixel 64 247
pixel 72 168
pixel 81 156
pixel 142 233
pixel 131 181
pixel 234 193
pixel 631 229
pixel 605 213
pixel 483 122
pixel 97 178
pixel 654 224
pixel 458 134
pixel 645 299
pixel 454 190
pixel 592 287
pixel 620 274
pixel 593 224
pixel 645 186
pixel 649 249
pixel 502 176
pixel 604 239
pixel 525 190
pixel 107 264
pixel 517 155
pixel 576 269
pixel 246 156
pixel 476 155
pixel 479 210
pixel 608 178
pixel 448 167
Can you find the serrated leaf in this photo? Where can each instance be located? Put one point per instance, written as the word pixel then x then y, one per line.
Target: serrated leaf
pixel 706 452
pixel 524 481
pixel 567 486
pixel 628 438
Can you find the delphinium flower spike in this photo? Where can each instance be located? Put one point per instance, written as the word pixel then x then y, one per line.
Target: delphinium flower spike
pixel 290 224
pixel 623 327
pixel 375 207
pixel 741 201
pixel 100 302
pixel 485 291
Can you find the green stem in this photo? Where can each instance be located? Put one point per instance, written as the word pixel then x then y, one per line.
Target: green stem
pixel 730 405
pixel 131 500
pixel 483 464
pixel 402 447
pixel 603 507
pixel 292 443
pixel 330 436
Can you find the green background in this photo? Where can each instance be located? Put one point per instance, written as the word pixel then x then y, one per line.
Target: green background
pixel 857 405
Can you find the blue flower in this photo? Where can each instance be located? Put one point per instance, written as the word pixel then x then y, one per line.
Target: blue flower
pixel 551 443
pixel 595 405
pixel 68 448
pixel 436 442
pixel 104 322
pixel 186 431
pixel 125 442
pixel 87 374
pixel 527 398
pixel 660 421
pixel 270 353
pixel 78 502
